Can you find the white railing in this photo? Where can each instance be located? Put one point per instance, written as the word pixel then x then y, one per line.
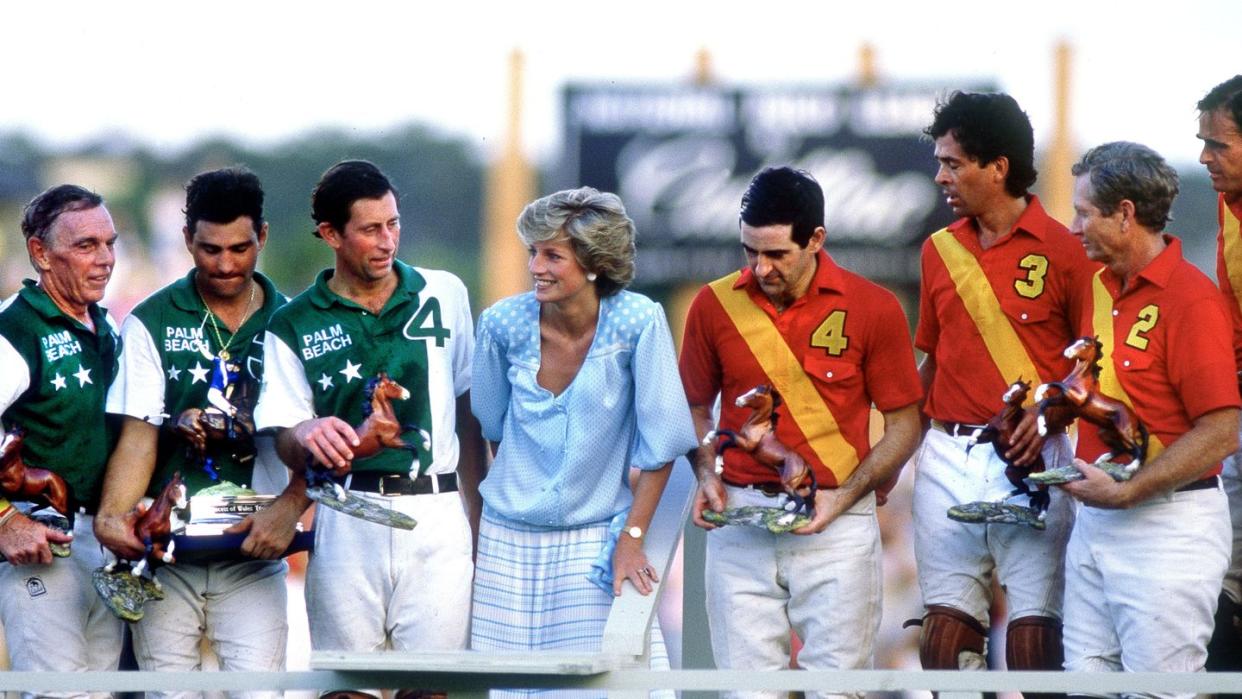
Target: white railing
pixel 620 665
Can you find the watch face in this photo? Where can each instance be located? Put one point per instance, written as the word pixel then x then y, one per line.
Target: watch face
pixel 635 532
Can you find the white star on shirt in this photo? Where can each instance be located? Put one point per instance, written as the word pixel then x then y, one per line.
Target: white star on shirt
pixel 59 381
pixel 83 375
pixel 325 381
pixel 350 372
pixel 199 372
pixel 174 374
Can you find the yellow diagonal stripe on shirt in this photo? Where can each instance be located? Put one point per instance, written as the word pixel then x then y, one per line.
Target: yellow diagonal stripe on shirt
pixel 1233 251
pixel 1007 351
pixel 1102 326
pixel 813 417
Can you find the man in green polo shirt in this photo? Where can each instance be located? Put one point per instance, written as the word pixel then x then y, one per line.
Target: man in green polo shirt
pixel 58 351
pixel 204 332
pixel 369 587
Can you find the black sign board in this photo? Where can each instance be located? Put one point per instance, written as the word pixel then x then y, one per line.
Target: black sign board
pixel 680 158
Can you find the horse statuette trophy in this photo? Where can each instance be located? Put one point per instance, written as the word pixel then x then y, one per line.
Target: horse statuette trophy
pixel 43 495
pixel 1057 405
pixel 380 429
pixel 125 586
pixel 757 436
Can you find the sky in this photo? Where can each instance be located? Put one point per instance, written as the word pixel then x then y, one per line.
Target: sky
pixel 167 73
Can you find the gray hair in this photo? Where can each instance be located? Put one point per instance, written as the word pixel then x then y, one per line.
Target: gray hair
pixel 1124 170
pixel 601 234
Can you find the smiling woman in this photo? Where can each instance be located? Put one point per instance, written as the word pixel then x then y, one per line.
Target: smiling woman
pixel 574 383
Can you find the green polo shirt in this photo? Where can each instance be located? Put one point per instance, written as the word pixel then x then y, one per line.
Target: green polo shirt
pixel 340 345
pixel 54 375
pixel 164 371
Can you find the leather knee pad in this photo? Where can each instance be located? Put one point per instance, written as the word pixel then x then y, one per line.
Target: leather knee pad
pixel 947 633
pixel 1034 643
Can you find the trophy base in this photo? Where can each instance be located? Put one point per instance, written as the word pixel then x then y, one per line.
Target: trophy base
pixel 325 494
pixel 773 519
pixel 1066 474
pixel 984 512
pixel 123 593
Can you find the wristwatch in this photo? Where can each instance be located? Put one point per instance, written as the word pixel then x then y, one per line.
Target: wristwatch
pixel 635 532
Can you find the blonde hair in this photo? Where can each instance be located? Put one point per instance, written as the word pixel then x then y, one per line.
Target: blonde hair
pixel 598 229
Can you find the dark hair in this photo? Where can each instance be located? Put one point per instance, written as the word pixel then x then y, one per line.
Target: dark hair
pixel 783 195
pixel 43 210
pixel 223 196
pixel 988 126
pixel 1227 95
pixel 1123 170
pixel 341 186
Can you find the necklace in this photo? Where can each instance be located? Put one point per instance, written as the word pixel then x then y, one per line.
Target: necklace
pixel 223 354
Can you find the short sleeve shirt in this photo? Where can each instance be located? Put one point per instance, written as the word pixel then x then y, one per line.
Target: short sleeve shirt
pixel 166 368
pixel 1172 349
pixel 1229 265
pixel 1040 277
pixel 321 350
pixel 54 376
pixel 861 357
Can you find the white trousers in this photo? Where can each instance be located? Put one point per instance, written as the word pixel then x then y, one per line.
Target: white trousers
pixel 53 618
pixel 238 606
pixel 956 560
pixel 370 587
pixel 827 587
pixel 1142 584
pixel 1231 477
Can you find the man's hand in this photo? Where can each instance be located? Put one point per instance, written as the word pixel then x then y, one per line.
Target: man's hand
pixel 329 440
pixel 827 509
pixel 116 533
pixel 629 561
pixel 24 541
pixel 271 529
pixel 1097 489
pixel 1026 442
pixel 189 427
pixel 708 495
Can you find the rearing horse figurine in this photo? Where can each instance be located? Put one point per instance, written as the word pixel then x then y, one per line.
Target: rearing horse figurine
pixel 21 482
pixel 757 436
pixel 380 428
pixel 999 433
pixel 1078 395
pixel 154 528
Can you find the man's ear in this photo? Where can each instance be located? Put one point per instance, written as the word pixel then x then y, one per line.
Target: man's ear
pixel 816 241
pixel 330 235
pixel 38 251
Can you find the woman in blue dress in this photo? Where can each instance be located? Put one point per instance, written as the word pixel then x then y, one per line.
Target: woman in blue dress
pixel 574 383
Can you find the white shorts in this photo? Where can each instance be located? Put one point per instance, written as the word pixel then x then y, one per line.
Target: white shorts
pixel 238 606
pixel 370 587
pixel 53 618
pixel 1142 584
pixel 956 560
pixel 827 587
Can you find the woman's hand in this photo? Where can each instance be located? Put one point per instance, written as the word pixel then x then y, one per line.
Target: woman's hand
pixel 629 561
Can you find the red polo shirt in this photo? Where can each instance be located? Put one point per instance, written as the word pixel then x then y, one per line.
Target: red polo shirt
pixel 875 364
pixel 1178 367
pixel 1040 276
pixel 1229 266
